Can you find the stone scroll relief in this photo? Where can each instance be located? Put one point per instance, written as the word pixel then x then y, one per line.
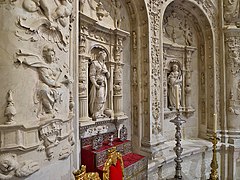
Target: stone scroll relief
pixel 52 77
pixel 10 167
pixel 49 20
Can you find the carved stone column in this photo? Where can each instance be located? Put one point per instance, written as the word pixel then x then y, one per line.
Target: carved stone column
pixel 117 87
pixel 110 66
pixel 152 139
pixel 118 73
pixel 83 78
pixel 188 59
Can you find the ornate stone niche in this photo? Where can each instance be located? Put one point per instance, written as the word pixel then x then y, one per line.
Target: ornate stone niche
pixel 100 71
pixel 188 42
pixel 182 60
pixel 178 50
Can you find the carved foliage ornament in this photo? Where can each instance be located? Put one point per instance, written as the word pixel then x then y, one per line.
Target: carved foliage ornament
pixel 52 21
pixel 154 8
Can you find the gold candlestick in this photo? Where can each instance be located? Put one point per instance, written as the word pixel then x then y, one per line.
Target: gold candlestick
pixel 214 163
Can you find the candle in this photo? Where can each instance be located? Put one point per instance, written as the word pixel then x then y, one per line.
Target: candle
pixel 177 97
pixel 215 123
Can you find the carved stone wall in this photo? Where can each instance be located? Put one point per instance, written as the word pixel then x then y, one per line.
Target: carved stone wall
pixel 36 118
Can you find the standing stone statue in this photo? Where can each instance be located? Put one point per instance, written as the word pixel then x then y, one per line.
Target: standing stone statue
pixel 98 93
pixel 174 79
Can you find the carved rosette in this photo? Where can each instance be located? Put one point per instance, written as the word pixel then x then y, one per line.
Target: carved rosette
pixel 154 11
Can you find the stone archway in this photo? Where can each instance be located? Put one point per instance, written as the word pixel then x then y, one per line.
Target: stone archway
pixel 189 39
pixel 133 53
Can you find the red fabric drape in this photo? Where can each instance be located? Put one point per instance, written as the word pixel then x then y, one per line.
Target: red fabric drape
pixel 116 171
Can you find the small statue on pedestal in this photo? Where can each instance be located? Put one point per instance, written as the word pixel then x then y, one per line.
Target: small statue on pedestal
pixel 110 140
pixel 97 141
pixel 123 133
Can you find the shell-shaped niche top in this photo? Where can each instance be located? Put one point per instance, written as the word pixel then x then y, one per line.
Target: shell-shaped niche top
pixel 50 20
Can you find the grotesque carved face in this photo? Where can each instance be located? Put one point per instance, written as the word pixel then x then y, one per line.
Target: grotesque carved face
pixel 8 162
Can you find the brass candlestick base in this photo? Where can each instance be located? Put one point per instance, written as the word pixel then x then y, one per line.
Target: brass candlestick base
pixel 214 164
pixel 178 121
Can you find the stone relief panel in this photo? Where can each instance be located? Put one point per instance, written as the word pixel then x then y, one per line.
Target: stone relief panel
pixel 52 77
pixel 233 68
pixel 39 106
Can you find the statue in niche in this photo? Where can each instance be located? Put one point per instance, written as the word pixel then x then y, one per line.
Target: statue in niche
pixel 231 10
pixel 49 88
pixel 135 81
pixel 98 74
pixel 117 13
pixel 174 79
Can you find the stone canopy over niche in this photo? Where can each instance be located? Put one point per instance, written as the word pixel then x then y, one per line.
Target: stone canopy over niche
pixel 37 121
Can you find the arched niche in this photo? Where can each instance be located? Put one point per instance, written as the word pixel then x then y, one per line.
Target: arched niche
pixel 127 47
pixel 188 40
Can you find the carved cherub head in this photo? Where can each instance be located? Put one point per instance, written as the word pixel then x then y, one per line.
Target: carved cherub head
pixel 49 53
